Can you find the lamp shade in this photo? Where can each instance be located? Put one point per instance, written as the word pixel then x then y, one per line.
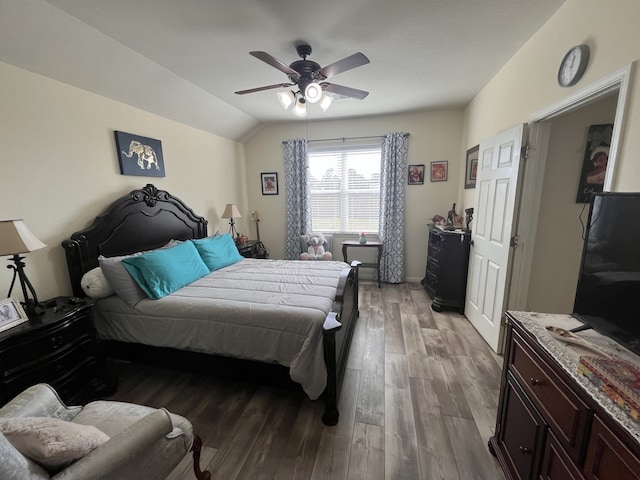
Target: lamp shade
pixel 300 109
pixel 231 211
pixel 286 99
pixel 15 237
pixel 325 102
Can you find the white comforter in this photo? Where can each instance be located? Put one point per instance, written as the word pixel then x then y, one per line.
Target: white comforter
pixel 266 310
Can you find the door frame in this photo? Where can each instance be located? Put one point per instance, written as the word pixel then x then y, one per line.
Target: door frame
pixel 534 167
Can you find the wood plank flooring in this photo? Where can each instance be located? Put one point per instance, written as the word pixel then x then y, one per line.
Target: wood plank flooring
pixel 418 402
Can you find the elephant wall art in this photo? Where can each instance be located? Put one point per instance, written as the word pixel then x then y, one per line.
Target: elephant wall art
pixel 139 155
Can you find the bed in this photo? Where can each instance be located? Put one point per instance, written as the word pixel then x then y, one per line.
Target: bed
pixel 291 315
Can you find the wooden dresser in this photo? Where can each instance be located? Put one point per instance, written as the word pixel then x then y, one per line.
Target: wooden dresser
pixel 552 423
pixel 445 278
pixel 58 347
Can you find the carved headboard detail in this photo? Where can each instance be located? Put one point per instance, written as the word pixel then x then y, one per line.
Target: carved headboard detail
pixel 141 220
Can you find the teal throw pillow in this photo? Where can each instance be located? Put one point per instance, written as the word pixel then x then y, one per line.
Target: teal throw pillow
pixel 218 252
pixel 162 272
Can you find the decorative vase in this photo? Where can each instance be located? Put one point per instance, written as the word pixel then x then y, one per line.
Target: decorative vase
pixel 363 238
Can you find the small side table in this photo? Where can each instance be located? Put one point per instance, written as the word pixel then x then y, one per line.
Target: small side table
pixel 371 244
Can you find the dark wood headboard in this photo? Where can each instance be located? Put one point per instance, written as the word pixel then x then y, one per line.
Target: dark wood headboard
pixel 142 220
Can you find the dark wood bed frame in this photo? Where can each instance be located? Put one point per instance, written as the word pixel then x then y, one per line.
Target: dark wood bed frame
pixel 148 218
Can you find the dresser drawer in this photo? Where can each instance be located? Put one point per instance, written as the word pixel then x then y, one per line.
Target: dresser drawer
pixel 607 457
pixel 435 245
pixel 565 413
pixel 50 367
pixel 522 433
pixel 433 266
pixel 431 281
pixel 44 341
pixel 556 465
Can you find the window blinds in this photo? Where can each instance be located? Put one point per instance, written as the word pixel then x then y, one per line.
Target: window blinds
pixel 344 184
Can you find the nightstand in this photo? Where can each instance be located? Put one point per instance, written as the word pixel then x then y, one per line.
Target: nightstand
pixel 58 347
pixel 251 250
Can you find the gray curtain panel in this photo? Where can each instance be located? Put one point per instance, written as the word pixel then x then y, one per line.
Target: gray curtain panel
pixel 392 212
pixel 298 200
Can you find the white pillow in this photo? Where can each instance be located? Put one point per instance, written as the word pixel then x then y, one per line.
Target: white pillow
pixel 50 442
pixel 95 284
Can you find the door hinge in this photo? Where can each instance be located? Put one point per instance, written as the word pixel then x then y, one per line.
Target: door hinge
pixel 524 151
pixel 514 241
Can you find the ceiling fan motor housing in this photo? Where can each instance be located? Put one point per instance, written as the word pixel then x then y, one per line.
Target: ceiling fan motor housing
pixel 305 69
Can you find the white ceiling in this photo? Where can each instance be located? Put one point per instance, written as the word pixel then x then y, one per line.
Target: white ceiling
pixel 184 59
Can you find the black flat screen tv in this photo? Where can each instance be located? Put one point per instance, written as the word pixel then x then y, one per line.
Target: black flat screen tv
pixel 608 292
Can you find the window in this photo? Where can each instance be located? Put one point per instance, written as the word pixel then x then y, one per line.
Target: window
pixel 344 184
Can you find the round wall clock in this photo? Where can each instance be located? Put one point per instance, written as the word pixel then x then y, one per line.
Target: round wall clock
pixel 573 65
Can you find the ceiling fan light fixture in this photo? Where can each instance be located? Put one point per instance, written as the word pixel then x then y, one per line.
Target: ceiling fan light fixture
pixel 325 102
pixel 286 99
pixel 313 92
pixel 300 108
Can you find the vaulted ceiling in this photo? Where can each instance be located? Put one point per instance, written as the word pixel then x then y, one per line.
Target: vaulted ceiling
pixel 185 59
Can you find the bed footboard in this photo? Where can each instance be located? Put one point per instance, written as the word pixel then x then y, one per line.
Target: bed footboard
pixel 337 334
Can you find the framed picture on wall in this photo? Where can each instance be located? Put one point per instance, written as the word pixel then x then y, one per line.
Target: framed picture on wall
pixel 471 171
pixel 439 171
pixel 269 183
pixel 594 163
pixel 416 174
pixel 139 155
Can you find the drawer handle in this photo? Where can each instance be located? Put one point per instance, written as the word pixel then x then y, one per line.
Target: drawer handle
pixel 534 381
pixel 56 342
pixel 525 450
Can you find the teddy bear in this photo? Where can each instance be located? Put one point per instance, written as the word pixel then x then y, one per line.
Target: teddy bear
pixel 315 240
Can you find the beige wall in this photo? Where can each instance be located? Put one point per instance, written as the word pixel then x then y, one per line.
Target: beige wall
pixel 558 243
pixel 527 83
pixel 59 166
pixel 433 136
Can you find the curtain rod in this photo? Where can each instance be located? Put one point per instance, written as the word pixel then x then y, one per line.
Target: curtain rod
pixel 345 138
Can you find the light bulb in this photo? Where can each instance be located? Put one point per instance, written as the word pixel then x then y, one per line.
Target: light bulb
pixel 313 93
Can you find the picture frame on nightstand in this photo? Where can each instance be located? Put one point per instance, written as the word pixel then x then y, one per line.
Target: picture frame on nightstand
pixel 11 314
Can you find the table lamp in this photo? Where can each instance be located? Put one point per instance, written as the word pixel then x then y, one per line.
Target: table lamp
pixel 16 238
pixel 231 212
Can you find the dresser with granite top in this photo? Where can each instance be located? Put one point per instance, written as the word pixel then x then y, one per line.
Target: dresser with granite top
pixel 552 423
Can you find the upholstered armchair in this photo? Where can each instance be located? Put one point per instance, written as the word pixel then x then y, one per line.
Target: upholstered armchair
pixel 42 438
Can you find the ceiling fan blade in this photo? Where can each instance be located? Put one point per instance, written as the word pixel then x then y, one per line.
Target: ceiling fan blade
pixel 268 87
pixel 344 91
pixel 347 63
pixel 274 62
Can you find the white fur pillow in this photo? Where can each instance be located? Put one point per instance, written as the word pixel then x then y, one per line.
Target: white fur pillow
pixel 51 442
pixel 95 284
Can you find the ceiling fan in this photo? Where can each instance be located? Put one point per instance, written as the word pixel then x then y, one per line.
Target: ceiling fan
pixel 310 78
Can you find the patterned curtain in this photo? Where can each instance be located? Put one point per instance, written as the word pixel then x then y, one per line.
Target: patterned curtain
pixel 392 214
pixel 298 201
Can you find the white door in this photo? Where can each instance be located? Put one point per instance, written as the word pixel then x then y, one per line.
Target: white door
pixel 494 212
